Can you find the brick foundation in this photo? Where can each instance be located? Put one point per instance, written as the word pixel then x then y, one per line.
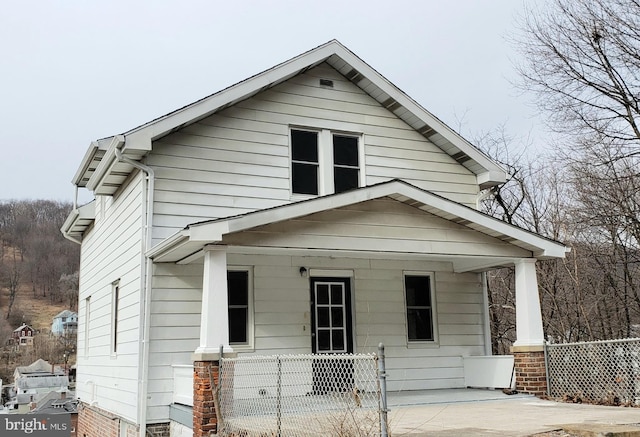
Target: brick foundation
pixel 160 429
pixel 205 420
pixel 94 421
pixel 530 370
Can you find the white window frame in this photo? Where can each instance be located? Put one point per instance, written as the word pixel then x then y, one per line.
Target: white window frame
pixel 325 158
pixel 115 316
pixel 249 345
pixel 434 311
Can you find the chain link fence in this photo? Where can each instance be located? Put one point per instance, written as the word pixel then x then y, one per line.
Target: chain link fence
pixel 600 372
pixel 302 395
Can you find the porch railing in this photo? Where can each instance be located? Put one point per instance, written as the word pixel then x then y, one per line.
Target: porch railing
pixel 603 372
pixel 303 395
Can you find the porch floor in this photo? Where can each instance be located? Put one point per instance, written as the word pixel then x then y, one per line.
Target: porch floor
pixel 447 396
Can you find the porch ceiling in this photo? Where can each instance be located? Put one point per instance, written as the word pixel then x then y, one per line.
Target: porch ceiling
pixel 188 244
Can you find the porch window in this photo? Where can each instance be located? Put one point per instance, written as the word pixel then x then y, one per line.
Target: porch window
pixel 418 291
pixel 324 162
pixel 240 307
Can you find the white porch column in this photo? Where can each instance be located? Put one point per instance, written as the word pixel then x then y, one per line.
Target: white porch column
pixel 214 318
pixel 528 314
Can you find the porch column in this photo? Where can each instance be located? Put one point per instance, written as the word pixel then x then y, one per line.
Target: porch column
pixel 528 349
pixel 214 318
pixel 214 331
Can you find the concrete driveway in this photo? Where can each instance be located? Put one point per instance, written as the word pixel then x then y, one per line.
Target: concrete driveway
pixel 492 413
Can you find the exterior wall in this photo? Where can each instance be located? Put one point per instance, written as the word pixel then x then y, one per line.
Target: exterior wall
pixel 111 251
pixel 283 320
pixel 238 160
pixel 174 330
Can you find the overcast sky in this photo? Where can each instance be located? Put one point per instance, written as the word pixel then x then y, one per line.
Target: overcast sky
pixel 75 71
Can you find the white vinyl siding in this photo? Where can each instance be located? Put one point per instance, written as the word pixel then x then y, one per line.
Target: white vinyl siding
pixel 111 249
pixel 381 223
pixel 283 324
pixel 238 160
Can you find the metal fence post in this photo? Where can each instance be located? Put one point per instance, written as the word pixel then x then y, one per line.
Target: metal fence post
pixel 279 396
pixel 382 376
pixel 546 366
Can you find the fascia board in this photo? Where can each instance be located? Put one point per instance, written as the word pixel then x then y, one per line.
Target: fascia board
pixel 164 125
pixel 491 178
pixel 68 223
pixel 106 163
pixel 493 169
pixel 168 244
pixel 214 232
pixel 84 164
pixel 547 248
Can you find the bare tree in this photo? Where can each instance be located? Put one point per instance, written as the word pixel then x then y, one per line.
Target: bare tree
pixel 582 59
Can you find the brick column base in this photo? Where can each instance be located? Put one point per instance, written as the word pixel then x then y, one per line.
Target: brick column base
pixel 205 421
pixel 530 370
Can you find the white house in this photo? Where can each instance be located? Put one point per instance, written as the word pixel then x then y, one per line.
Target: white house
pixel 64 323
pixel 35 381
pixel 221 222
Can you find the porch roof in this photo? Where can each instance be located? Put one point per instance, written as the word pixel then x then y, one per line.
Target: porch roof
pixel 188 244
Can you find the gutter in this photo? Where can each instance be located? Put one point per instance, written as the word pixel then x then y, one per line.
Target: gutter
pixel 145 290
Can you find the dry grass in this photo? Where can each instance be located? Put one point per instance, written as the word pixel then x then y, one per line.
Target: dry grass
pixel 38 311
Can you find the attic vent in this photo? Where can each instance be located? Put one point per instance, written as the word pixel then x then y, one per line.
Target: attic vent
pixel 326 82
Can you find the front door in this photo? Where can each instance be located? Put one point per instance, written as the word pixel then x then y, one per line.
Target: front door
pixel 331 329
pixel 331 333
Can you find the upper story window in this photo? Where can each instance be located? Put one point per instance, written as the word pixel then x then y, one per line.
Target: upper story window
pixel 324 162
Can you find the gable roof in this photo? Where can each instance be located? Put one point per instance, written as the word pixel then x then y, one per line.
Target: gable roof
pixel 101 171
pixel 65 313
pixel 23 326
pixel 189 242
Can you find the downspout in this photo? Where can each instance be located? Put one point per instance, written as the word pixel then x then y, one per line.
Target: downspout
pixel 145 298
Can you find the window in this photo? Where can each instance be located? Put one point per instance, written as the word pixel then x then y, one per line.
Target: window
pixel 324 162
pixel 418 289
pixel 115 304
pixel 304 162
pixel 240 307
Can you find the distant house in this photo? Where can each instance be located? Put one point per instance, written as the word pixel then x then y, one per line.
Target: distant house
pixel 65 323
pixel 59 402
pixel 35 381
pixel 227 221
pixel 23 335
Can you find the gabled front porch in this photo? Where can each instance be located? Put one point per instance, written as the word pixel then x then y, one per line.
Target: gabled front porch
pixel 389 264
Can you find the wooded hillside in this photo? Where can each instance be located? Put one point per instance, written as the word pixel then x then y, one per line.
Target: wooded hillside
pixel 38 266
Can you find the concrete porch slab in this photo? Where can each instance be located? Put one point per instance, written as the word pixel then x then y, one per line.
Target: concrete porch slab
pixel 444 413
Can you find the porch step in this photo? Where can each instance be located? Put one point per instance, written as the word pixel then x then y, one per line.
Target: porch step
pixel 601 430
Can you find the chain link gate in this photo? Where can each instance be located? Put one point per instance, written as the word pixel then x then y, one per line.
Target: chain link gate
pixel 600 372
pixel 302 395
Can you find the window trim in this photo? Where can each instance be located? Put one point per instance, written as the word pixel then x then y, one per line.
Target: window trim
pixel 434 310
pixel 326 165
pixel 87 315
pixel 115 307
pixel 249 346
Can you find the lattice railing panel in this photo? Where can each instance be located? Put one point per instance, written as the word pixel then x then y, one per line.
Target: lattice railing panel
pixel 606 372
